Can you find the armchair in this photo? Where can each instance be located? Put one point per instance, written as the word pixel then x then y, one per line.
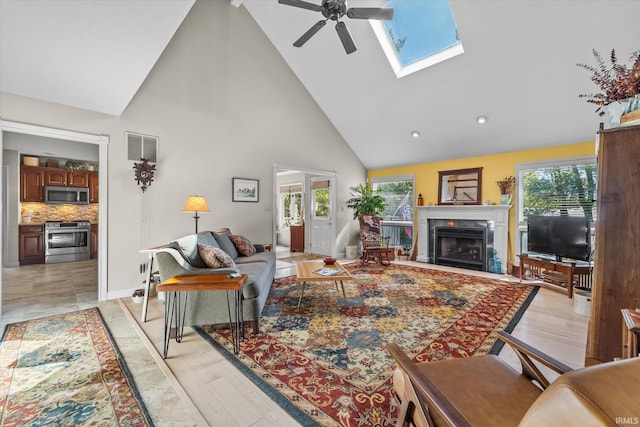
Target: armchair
pixel 486 391
pixel 375 247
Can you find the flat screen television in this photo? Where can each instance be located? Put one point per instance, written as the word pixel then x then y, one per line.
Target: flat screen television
pixel 561 236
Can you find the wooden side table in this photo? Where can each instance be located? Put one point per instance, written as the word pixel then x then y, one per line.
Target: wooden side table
pixel 177 289
pixel 630 334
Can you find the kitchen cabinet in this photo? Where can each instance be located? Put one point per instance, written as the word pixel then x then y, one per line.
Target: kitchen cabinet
pixel 94 241
pixel 77 179
pixel 31 184
pixel 617 258
pixel 93 187
pixel 63 178
pixel 57 177
pixel 31 244
pixel 297 238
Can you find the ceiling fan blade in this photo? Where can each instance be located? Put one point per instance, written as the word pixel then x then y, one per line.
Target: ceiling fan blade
pixel 345 37
pixel 370 13
pixel 302 4
pixel 310 32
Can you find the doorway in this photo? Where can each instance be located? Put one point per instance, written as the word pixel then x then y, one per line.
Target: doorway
pixel 317 208
pixel 62 135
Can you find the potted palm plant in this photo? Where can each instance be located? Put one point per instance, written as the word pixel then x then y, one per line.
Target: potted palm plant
pixel 365 201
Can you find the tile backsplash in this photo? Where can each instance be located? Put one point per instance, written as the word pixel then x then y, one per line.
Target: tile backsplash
pixel 41 212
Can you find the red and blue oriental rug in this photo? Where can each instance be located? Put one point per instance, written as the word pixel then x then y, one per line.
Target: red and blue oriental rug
pixel 326 362
pixel 66 370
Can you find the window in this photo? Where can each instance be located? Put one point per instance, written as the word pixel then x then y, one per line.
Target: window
pixel 397 219
pixel 422 33
pixel 561 187
pixel 290 205
pixel 320 199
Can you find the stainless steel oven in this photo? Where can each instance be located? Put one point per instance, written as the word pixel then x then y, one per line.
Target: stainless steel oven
pixel 66 241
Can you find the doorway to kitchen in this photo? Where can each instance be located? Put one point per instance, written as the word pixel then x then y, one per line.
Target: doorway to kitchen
pixel 10 199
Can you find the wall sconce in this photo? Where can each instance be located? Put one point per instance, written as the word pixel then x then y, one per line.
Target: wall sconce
pixel 144 173
pixel 196 204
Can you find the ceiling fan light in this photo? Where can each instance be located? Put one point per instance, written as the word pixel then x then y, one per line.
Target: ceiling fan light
pixel 415 134
pixel 482 120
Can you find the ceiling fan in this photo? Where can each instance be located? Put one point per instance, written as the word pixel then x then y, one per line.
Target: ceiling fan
pixel 334 10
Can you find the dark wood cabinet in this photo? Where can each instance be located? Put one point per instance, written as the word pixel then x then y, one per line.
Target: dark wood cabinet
pixel 78 179
pixel 31 184
pixel 616 278
pixel 94 241
pixel 297 238
pixel 93 187
pixel 57 177
pixel 31 244
pixel 63 178
pixel 33 179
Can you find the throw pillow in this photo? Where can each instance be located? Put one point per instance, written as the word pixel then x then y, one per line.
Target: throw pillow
pixel 243 245
pixel 226 244
pixel 215 257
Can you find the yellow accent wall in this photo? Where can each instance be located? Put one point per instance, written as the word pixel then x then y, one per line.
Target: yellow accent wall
pixel 494 167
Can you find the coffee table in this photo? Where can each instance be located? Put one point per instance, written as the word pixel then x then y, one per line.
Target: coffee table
pixel 305 274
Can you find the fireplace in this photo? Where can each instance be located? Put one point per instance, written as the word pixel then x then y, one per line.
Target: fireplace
pixel 463 247
pixel 494 219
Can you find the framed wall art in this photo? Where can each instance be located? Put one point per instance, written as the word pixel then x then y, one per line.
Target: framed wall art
pixel 460 187
pixel 244 190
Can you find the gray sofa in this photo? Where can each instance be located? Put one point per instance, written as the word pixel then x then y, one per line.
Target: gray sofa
pixel 206 307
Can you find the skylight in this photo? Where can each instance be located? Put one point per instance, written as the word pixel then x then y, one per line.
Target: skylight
pixel 422 33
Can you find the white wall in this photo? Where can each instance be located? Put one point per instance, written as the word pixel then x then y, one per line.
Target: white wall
pixel 11 159
pixel 224 104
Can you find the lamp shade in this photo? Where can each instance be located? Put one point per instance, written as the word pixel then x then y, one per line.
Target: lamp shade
pixel 195 204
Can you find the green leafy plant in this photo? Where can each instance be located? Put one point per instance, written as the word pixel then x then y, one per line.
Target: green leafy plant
pixel 365 201
pixel 616 81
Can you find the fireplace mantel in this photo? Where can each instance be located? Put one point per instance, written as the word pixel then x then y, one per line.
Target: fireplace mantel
pixel 499 214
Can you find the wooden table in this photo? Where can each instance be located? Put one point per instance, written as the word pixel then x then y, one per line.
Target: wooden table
pixel 176 304
pixel 305 274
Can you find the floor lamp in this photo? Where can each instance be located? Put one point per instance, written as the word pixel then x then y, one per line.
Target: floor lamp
pixel 196 204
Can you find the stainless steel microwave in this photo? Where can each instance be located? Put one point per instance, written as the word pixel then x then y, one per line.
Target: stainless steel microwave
pixel 69 195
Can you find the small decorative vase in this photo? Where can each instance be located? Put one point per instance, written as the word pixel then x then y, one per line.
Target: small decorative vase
pixel 505 199
pixel 615 110
pixel 631 115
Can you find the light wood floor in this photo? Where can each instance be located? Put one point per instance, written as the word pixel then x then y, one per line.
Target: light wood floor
pixel 217 394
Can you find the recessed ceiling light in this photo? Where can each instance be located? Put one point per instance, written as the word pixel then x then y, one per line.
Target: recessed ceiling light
pixel 482 119
pixel 415 134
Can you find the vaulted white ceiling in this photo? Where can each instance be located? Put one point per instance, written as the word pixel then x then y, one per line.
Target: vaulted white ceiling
pixel 519 69
pixel 84 53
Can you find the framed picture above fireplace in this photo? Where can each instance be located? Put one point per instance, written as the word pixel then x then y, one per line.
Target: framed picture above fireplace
pixel 460 187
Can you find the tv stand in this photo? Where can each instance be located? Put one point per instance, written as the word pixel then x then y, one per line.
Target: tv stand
pixel 560 275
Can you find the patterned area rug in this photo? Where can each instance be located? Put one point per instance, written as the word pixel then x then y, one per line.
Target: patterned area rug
pixel 326 363
pixel 65 370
